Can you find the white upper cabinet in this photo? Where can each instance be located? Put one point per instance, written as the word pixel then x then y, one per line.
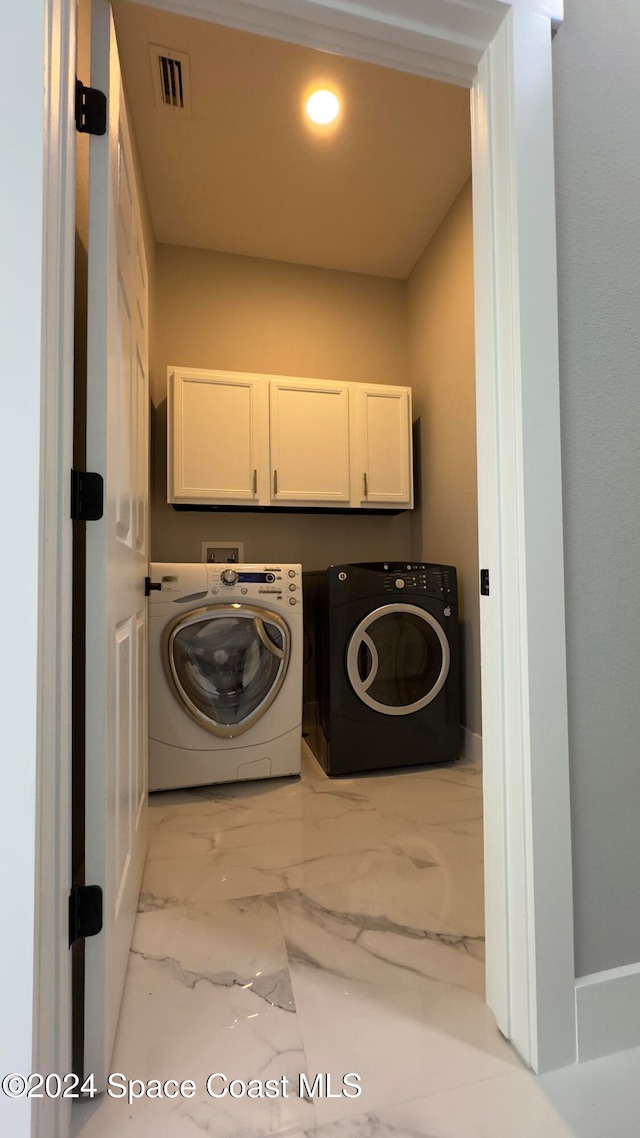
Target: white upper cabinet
pixel 217 439
pixel 309 421
pixel 267 440
pixel 382 471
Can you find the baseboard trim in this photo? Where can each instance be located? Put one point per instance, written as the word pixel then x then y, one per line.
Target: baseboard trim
pixel 471 745
pixel 608 1012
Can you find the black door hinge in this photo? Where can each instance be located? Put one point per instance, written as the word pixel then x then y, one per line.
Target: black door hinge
pixel 149 585
pixel 484 582
pixel 91 110
pixel 87 496
pixel 85 912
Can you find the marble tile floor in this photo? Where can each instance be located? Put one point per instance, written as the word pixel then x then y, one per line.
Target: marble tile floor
pixel 320 926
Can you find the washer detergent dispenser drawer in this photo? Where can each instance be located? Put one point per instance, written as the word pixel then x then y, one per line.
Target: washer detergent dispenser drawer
pixel 228 663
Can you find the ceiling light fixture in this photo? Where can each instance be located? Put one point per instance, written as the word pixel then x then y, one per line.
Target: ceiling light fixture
pixel 322 107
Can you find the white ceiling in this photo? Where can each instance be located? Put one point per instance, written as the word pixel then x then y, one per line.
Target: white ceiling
pixel 244 173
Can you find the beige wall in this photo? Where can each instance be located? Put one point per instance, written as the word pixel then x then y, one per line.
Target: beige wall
pixel 442 374
pixel 218 310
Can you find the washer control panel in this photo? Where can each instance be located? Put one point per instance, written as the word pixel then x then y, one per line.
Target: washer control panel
pixel 195 584
pixel 280 583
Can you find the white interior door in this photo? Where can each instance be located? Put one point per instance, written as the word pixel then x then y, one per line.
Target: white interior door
pixel 117 447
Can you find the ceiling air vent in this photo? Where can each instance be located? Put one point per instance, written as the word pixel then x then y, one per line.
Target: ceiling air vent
pixel 171 79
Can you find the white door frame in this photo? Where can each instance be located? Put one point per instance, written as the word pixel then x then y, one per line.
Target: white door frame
pixel 52 964
pixel 502 51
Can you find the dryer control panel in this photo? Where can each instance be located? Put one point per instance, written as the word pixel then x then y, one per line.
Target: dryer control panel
pixel 420 577
pixel 398 578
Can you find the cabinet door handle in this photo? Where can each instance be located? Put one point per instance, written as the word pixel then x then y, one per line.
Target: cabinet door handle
pixel 365 485
pixel 255 483
pixel 275 483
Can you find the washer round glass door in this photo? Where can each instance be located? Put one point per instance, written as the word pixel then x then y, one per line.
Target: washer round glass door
pixel 227 664
pixel 398 659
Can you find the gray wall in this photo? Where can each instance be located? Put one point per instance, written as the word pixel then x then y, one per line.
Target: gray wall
pixel 597 103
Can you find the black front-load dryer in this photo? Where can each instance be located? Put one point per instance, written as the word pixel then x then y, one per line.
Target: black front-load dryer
pixel 389 670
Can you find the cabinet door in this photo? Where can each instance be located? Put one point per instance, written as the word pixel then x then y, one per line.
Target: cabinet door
pixel 216 421
pixel 309 421
pixel 384 450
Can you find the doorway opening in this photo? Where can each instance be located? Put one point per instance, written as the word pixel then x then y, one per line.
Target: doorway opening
pixel 372 281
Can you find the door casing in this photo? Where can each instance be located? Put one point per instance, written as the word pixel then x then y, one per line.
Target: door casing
pixel 502 52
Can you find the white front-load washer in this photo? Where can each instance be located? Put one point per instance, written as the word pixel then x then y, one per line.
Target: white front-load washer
pixel 225 673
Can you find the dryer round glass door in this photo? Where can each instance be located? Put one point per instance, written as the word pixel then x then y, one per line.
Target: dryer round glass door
pixel 227 664
pixel 398 659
